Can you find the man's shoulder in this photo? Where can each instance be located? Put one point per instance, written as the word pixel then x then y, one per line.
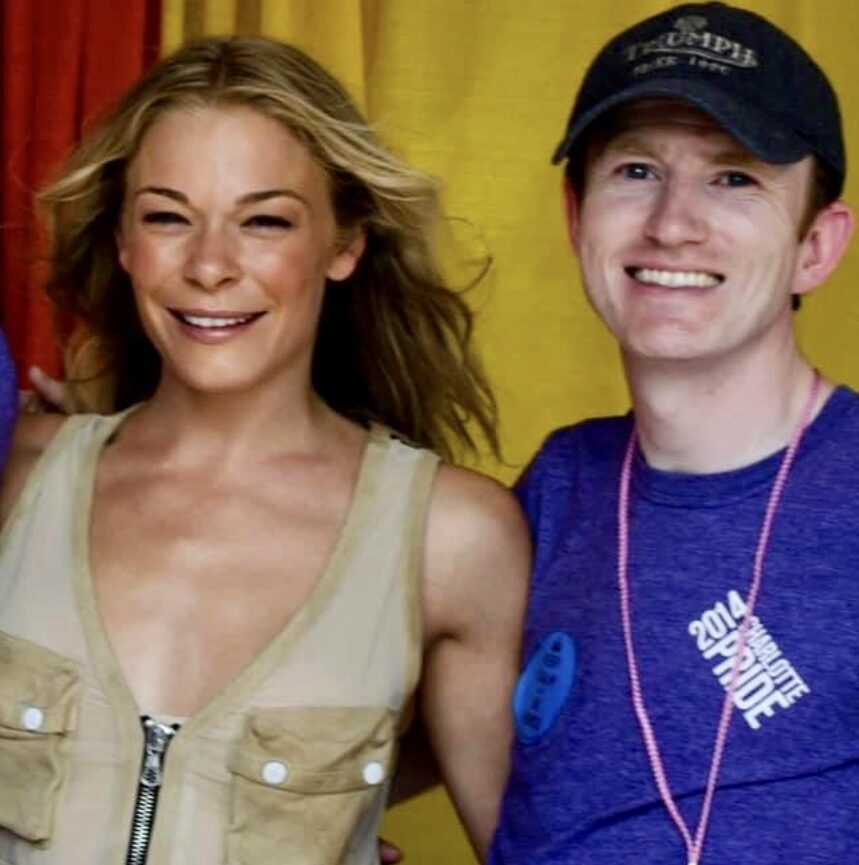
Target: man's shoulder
pixel 837 425
pixel 846 399
pixel 567 449
pixel 571 457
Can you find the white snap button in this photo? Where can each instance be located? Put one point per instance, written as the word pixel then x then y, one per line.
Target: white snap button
pixel 274 772
pixel 374 773
pixel 32 718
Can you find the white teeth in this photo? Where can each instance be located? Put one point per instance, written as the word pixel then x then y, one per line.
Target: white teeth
pixel 210 321
pixel 675 278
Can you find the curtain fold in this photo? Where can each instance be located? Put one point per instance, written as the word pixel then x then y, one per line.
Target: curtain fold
pixel 332 32
pixel 62 62
pixel 477 93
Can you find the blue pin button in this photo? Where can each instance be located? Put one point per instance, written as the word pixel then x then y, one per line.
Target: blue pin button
pixel 544 686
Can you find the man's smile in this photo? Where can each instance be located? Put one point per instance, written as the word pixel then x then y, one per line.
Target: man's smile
pixel 674 278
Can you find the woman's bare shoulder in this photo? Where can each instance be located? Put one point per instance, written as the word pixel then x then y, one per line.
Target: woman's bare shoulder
pixel 33 433
pixel 467 500
pixel 478 543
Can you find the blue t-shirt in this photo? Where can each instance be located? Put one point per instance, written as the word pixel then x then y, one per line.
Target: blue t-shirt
pixel 581 788
pixel 8 399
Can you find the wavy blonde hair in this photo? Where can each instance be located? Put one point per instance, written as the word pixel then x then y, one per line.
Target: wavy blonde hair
pixel 394 343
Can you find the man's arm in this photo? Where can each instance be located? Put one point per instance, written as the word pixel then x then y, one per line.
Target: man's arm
pixel 476 569
pixel 33 432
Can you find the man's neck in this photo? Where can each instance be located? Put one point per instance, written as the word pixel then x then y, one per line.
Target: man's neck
pixel 701 419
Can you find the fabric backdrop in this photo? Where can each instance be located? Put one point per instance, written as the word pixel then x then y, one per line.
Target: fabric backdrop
pixel 62 61
pixel 477 92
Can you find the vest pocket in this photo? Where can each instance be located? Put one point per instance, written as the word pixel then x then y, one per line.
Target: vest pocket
pixel 304 779
pixel 39 697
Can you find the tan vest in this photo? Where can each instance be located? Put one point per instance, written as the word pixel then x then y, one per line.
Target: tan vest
pixel 289 764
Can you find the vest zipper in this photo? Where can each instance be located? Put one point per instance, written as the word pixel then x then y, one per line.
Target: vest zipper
pixel 156 738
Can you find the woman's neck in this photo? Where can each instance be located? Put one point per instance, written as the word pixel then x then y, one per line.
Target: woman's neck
pixel 232 427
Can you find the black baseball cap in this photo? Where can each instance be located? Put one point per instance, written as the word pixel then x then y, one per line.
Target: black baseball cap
pixel 734 65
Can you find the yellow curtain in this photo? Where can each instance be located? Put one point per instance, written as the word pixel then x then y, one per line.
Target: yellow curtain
pixel 477 92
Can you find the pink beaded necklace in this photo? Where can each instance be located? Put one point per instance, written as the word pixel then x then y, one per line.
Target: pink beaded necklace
pixel 694 845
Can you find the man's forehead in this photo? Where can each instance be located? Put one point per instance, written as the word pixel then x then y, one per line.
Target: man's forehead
pixel 662 112
pixel 631 124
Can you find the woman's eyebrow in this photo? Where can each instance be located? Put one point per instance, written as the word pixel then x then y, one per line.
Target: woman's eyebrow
pixel 247 198
pixel 166 191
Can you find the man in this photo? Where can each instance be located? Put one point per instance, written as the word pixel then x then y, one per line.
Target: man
pixel 8 399
pixel 690 690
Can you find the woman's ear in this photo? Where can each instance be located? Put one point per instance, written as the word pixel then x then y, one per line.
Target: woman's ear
pixel 347 256
pixel 121 247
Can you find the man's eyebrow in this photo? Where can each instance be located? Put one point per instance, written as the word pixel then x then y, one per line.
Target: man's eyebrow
pixel 629 142
pixel 741 157
pixel 634 144
pixel 247 198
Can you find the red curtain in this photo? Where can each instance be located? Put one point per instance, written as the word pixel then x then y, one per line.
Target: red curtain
pixel 62 62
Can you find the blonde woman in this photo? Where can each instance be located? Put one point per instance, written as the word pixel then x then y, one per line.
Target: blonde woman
pixel 216 604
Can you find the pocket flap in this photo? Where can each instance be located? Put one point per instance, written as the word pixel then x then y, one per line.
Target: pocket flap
pixel 316 749
pixel 38 688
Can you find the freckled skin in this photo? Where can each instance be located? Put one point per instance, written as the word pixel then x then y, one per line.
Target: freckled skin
pixel 714 370
pixel 672 191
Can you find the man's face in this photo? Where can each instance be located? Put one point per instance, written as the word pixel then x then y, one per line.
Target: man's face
pixel 689 245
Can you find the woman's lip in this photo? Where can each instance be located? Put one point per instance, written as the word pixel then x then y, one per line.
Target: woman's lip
pixel 220 319
pixel 213 328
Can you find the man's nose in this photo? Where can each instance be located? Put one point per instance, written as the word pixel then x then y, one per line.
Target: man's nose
pixel 677 216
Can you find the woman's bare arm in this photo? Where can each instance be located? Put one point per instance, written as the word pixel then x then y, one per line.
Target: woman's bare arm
pixel 477 563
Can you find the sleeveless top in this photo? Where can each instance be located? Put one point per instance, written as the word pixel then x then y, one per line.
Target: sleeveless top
pixel 290 763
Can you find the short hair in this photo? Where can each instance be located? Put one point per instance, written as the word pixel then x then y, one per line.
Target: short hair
pixel 394 343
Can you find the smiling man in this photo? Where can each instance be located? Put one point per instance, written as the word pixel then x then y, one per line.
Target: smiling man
pixel 690 692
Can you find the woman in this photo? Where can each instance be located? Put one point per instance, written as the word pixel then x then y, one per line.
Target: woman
pixel 215 605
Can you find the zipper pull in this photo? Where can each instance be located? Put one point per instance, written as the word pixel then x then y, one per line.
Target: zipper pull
pixel 156 739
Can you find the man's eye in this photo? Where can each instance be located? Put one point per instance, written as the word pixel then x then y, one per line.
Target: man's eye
pixel 164 217
pixel 636 171
pixel 267 220
pixel 735 178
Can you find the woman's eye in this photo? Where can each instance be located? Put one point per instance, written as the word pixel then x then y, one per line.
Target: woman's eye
pixel 267 220
pixel 164 217
pixel 736 178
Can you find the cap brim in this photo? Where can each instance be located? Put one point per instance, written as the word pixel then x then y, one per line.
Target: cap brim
pixel 760 133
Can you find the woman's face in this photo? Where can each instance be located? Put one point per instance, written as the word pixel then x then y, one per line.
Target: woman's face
pixel 228 235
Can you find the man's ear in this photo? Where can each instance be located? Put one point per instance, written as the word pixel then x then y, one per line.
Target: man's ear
pixel 347 256
pixel 571 211
pixel 823 246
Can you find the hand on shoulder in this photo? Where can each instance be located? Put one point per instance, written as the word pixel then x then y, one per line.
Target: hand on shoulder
pixel 33 433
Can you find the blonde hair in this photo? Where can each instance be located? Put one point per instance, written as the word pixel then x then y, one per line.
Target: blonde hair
pixel 394 343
